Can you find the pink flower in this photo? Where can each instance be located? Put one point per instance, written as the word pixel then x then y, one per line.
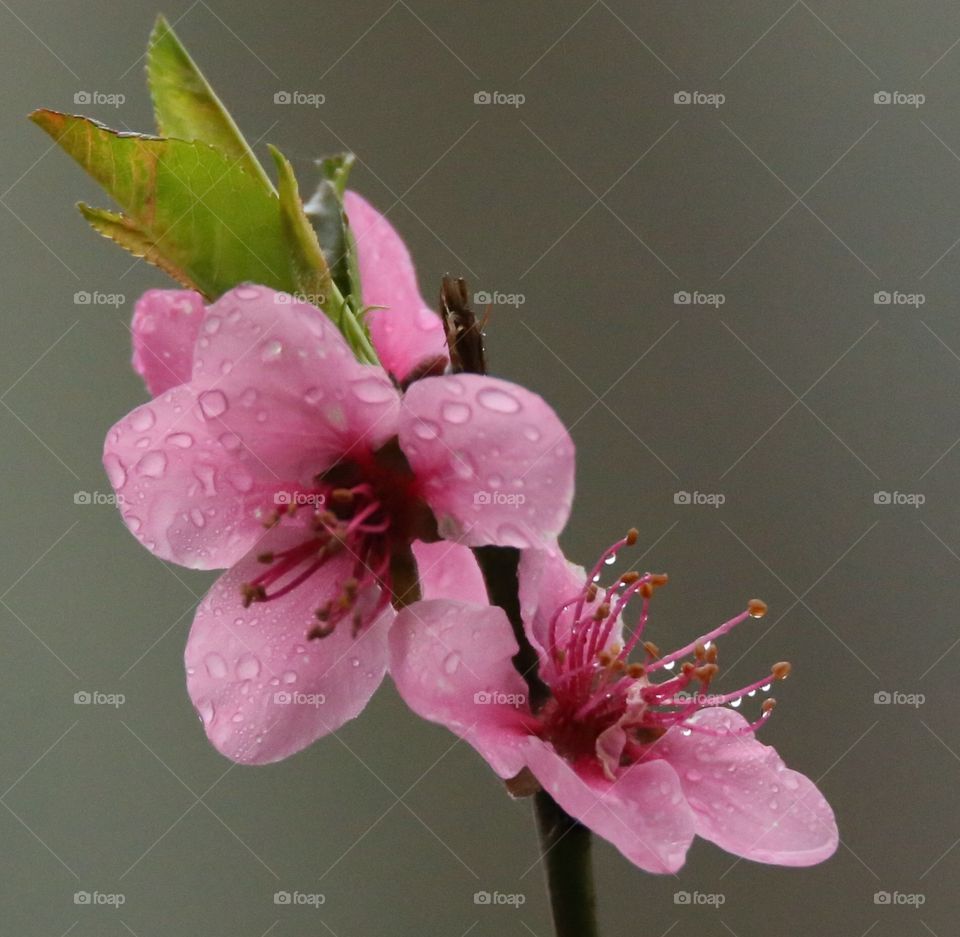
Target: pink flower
pixel 269 449
pixel 638 752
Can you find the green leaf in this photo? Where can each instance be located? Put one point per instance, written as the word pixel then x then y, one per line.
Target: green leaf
pixel 187 207
pixel 128 235
pixel 186 106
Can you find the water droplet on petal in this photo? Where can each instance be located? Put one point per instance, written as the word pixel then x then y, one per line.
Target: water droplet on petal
pixel 426 429
pixel 451 663
pixel 313 396
pixel 271 351
pixel 498 401
pixel 180 440
pixel 456 413
pixel 196 515
pixel 531 432
pixel 246 292
pixel 216 665
pixel 142 419
pixel 248 667
pixel 211 325
pixel 206 710
pixel 289 676
pixel 213 403
pixel 153 464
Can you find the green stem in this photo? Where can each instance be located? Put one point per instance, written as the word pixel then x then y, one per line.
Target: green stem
pixel 566 856
pixel 564 842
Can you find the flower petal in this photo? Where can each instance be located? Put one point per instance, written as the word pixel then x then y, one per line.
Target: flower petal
pixel 643 812
pixel 449 571
pixel 165 327
pixel 451 663
pixel 495 462
pixel 745 798
pixel 406 331
pixel 276 397
pixel 261 688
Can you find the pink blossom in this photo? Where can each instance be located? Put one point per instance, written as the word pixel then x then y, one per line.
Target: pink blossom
pixel 268 449
pixel 638 752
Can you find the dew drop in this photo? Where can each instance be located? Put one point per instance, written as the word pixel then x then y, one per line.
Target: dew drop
pixel 313 396
pixel 451 663
pixel 455 413
pixel 271 351
pixel 246 292
pixel 180 440
pixel 153 464
pixel 216 665
pixel 206 710
pixel 498 401
pixel 213 404
pixel 531 432
pixel 289 676
pixel 196 515
pixel 426 429
pixel 142 419
pixel 115 471
pixel 248 667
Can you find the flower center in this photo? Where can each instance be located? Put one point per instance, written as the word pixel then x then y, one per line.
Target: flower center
pixel 608 708
pixel 366 511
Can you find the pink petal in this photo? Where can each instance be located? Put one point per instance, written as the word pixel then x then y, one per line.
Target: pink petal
pixel 449 571
pixel 276 397
pixel 451 664
pixel 406 331
pixel 165 327
pixel 548 580
pixel 495 462
pixel 745 798
pixel 261 688
pixel 643 813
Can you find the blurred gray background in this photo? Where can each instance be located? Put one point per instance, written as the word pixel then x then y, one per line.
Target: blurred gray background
pixel 800 398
